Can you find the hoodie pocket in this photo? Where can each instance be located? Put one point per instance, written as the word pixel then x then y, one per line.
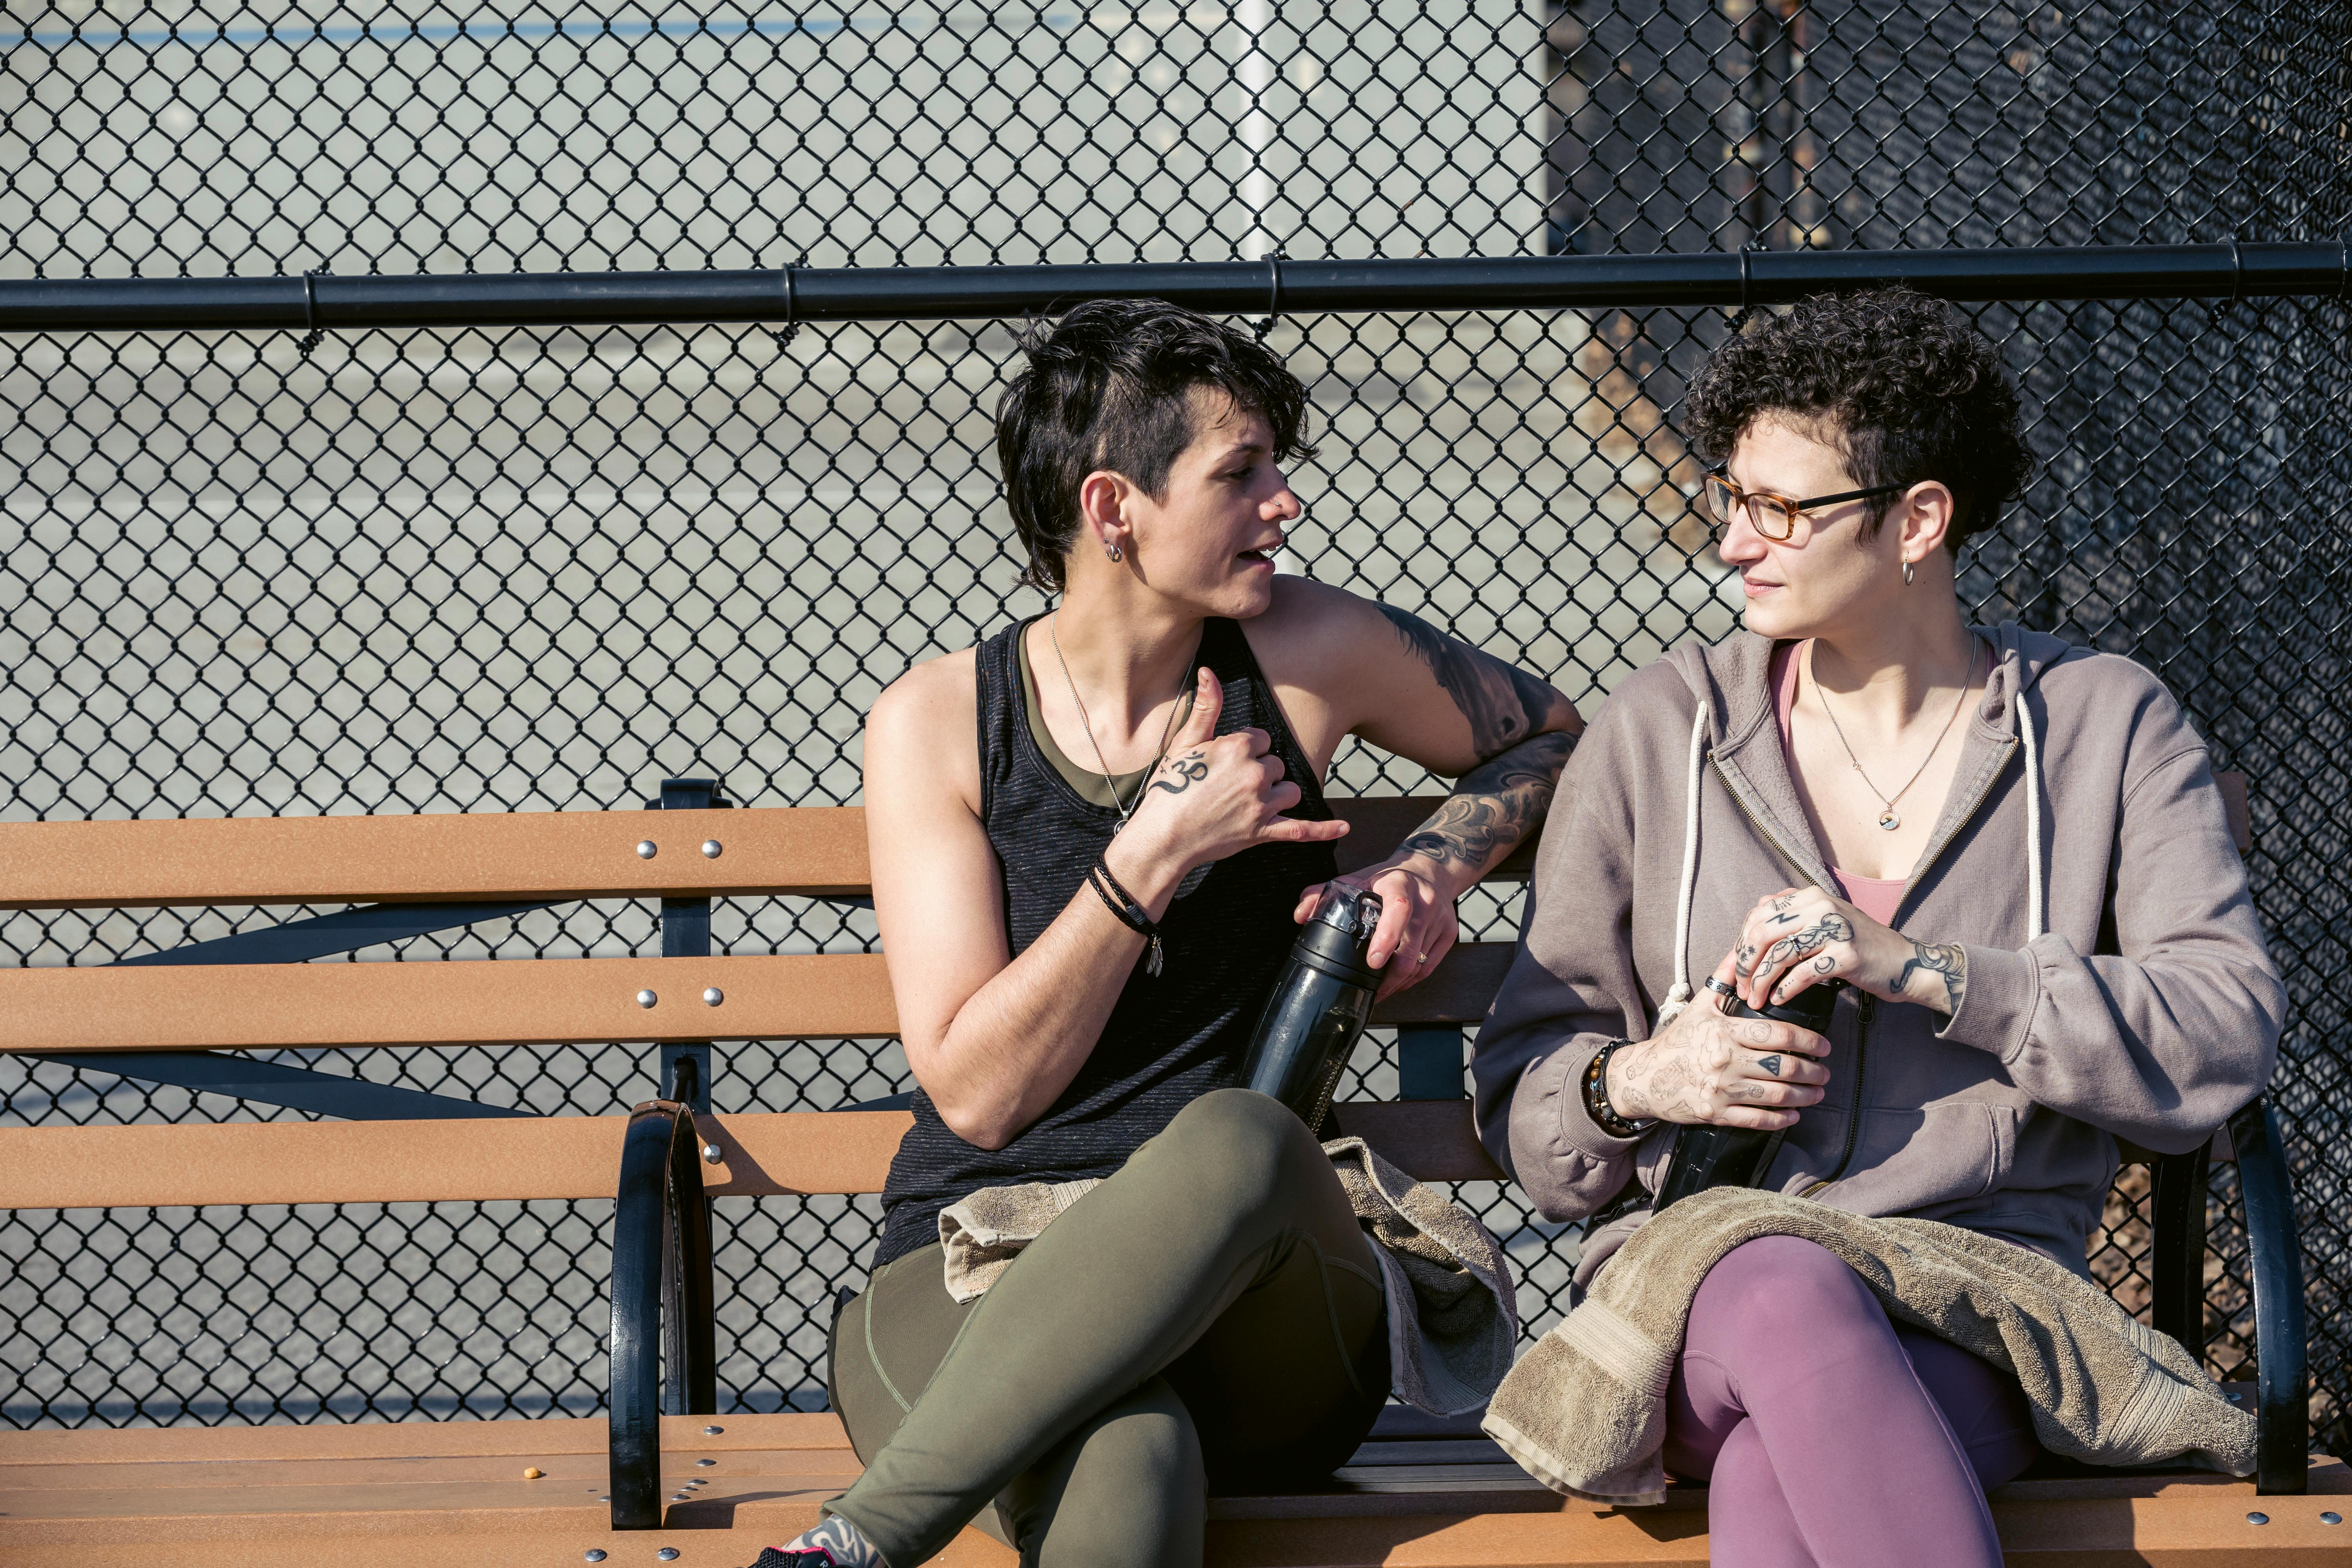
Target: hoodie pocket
pixel 1917 1158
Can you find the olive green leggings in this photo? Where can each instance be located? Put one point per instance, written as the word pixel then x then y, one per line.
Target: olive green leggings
pixel 1210 1316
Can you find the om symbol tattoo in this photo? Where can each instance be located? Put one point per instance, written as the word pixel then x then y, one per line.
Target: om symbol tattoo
pixel 1189 768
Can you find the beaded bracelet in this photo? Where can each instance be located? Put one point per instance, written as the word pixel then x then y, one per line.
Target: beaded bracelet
pixel 1596 1097
pixel 1131 913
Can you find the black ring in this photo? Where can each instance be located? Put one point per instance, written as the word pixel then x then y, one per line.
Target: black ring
pixel 1720 989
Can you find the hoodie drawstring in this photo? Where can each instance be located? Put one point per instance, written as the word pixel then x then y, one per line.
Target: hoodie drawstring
pixel 2033 877
pixel 2036 895
pixel 1680 996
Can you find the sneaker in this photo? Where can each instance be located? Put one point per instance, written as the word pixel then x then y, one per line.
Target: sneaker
pixel 776 1557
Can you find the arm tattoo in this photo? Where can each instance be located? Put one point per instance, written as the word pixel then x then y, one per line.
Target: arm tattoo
pixel 1189 769
pixel 1504 704
pixel 1495 804
pixel 1947 959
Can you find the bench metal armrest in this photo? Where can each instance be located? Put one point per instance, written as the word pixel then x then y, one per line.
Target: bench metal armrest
pixel 662 1310
pixel 2282 1384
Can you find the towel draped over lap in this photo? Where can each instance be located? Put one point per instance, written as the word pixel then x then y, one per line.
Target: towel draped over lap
pixel 1453 1315
pixel 1585 1411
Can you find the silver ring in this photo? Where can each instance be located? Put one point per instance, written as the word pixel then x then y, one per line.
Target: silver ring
pixel 1720 989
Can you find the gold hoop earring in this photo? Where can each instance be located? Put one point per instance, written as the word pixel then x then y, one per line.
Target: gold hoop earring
pixel 1906 574
pixel 1111 551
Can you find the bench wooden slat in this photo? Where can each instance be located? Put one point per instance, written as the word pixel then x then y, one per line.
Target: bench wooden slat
pixel 500 855
pixel 767 1154
pixel 429 857
pixel 543 854
pixel 528 1002
pixel 777 1153
pixel 1432 1140
pixel 416 1492
pixel 680 1434
pixel 465 1001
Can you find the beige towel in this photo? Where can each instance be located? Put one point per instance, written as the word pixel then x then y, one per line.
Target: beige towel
pixel 983 1234
pixel 1452 1319
pixel 1453 1314
pixel 1585 1413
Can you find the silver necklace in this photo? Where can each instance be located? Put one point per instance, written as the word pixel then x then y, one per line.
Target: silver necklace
pixel 1125 808
pixel 1887 818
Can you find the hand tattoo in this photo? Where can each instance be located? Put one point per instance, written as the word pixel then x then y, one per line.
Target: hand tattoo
pixel 1495 804
pixel 1770 1064
pixel 1189 767
pixel 1503 702
pixel 1948 960
pixel 1830 928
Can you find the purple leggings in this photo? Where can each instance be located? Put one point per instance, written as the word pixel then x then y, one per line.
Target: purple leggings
pixel 1828 1435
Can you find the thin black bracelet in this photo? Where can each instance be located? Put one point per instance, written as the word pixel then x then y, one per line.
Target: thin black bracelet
pixel 1128 913
pixel 1102 868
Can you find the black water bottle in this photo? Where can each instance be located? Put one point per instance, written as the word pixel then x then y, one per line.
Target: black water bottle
pixel 1317 1012
pixel 1707 1157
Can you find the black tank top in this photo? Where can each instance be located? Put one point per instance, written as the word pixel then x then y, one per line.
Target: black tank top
pixel 1169 1040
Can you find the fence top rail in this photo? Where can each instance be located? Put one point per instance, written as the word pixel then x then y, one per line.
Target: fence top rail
pixel 790 295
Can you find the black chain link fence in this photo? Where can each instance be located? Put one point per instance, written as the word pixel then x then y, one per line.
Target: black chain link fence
pixel 535 569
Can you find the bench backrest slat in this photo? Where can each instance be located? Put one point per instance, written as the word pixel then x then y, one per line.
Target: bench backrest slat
pixel 539 855
pixel 556 1001
pixel 761 1155
pixel 485 856
pixel 430 858
pixel 424 1162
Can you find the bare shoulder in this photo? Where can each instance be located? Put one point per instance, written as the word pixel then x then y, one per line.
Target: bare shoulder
pixel 928 721
pixel 1314 634
pixel 936 688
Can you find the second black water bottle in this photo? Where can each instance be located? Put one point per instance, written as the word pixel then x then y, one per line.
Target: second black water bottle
pixel 1317 1012
pixel 1707 1157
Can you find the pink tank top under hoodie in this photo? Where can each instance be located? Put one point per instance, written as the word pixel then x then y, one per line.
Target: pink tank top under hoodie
pixel 1876 897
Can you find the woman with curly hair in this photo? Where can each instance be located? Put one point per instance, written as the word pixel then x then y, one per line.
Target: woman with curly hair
pixel 2012 853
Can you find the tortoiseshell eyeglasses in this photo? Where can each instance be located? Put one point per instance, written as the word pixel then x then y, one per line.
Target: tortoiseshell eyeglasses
pixel 1774 516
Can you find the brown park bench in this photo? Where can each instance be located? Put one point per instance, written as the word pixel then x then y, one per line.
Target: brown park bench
pixel 667 1481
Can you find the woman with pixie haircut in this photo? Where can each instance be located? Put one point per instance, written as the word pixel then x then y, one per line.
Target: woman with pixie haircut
pixel 2012 853
pixel 1091 838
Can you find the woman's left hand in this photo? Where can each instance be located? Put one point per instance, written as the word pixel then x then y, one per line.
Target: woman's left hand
pixel 1800 936
pixel 1417 925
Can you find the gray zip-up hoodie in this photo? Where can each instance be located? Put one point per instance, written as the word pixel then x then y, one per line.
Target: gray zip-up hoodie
pixel 2117 982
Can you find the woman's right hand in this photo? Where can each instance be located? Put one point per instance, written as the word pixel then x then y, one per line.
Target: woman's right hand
pixel 1709 1069
pixel 1215 795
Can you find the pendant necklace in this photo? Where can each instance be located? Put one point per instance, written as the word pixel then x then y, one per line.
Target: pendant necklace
pixel 1125 808
pixel 1887 818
